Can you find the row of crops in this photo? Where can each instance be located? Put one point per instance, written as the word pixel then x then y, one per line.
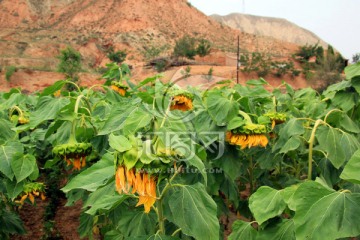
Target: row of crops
pixel 153 161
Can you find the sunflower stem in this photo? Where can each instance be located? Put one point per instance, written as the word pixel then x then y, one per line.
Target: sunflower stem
pixel 160 213
pixel 246 116
pixel 175 232
pixel 20 112
pixel 327 115
pixel 71 82
pixel 161 217
pixel 72 138
pixel 166 114
pixel 274 102
pixel 311 145
pixel 251 175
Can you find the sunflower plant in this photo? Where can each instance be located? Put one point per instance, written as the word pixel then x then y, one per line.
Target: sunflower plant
pixel 171 163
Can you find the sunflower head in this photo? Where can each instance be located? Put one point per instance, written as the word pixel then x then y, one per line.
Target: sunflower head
pixel 23 120
pixel 57 93
pixel 18 116
pixel 119 87
pixel 181 100
pixel 31 191
pixel 247 140
pixel 73 153
pixel 276 118
pixel 130 181
pixel 248 135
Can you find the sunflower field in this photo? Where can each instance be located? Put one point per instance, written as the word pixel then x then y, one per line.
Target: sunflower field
pixel 154 161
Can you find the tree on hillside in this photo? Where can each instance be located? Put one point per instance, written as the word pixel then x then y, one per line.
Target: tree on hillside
pixel 308 51
pixel 356 58
pixel 189 47
pixel 70 63
pixel 185 47
pixel 203 47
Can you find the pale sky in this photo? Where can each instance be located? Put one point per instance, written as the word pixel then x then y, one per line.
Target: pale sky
pixel 336 22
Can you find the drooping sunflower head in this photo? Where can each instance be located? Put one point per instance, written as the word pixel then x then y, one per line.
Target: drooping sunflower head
pixel 181 100
pixel 130 181
pixel 247 140
pixel 31 191
pixel 73 153
pixel 276 118
pixel 248 135
pixel 18 116
pixel 119 87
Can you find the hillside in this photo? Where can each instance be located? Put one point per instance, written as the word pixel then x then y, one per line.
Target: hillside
pixel 32 29
pixel 277 28
pixel 32 33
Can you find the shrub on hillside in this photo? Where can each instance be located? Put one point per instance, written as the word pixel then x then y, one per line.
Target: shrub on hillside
pixel 9 72
pixel 203 47
pixel 70 64
pixel 189 47
pixel 118 56
pixel 185 47
pixel 151 52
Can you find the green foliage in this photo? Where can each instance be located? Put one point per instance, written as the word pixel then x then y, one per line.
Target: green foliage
pixel 154 51
pixel 116 73
pixel 203 48
pixel 283 67
pixel 301 183
pixel 256 62
pixel 10 223
pixel 9 71
pixel 329 67
pixel 308 51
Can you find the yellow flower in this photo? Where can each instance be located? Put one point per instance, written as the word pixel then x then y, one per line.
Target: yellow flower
pixel 247 140
pixel 141 183
pixel 121 91
pixel 43 197
pixel 57 93
pixel 182 103
pixel 31 191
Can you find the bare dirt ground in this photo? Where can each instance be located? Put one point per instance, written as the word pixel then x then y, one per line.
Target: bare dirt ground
pixel 65 227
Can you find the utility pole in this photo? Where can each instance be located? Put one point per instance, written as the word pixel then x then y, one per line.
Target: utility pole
pixel 238 60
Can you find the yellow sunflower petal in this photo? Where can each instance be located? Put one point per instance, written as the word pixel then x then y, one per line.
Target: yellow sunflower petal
pixel 147 201
pixel 31 198
pixel 43 197
pixel 77 164
pixel 23 198
pixel 121 91
pixel 120 180
pixel 83 162
pixel 264 141
pixel 36 193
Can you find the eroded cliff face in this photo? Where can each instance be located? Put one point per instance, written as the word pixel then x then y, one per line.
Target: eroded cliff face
pixel 277 28
pixel 32 32
pixel 132 22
